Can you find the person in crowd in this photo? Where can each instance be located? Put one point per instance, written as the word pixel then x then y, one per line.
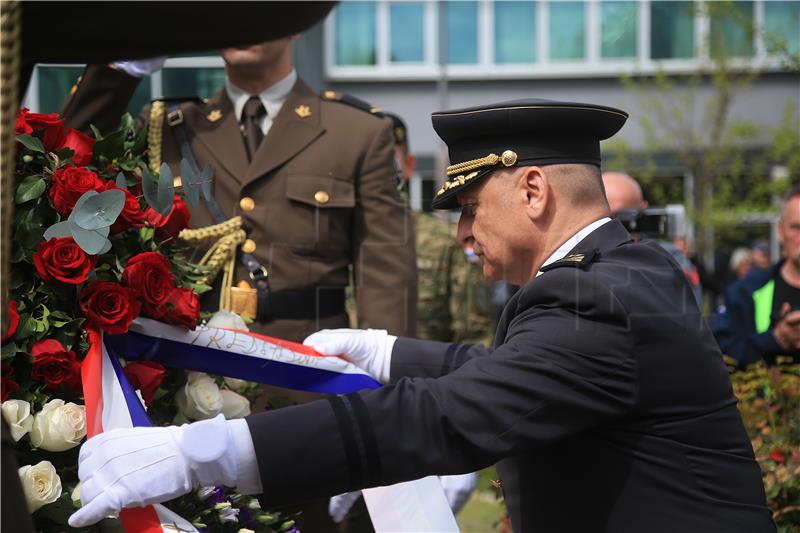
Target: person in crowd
pixel 740 262
pixel 760 318
pixel 603 385
pixel 624 192
pixel 709 282
pixel 314 180
pixel 761 255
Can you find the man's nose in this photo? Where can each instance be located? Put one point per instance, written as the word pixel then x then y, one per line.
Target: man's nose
pixel 464 233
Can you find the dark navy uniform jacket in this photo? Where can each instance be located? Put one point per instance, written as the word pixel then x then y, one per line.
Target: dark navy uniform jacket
pixel 604 402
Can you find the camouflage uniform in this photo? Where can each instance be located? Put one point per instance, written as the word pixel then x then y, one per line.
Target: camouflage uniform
pixel 454 302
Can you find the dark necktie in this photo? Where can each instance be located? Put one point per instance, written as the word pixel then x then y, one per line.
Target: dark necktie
pixel 251 119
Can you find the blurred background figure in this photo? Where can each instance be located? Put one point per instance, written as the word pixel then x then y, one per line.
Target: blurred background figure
pixel 740 262
pixel 623 192
pixel 761 316
pixel 760 255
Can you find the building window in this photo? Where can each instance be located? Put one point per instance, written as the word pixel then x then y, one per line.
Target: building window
pixel 407 32
pixel 567 30
pixel 731 29
pixel 671 30
pixel 782 27
pixel 514 35
pixel 618 22
pixel 355 33
pixel 202 82
pixel 462 32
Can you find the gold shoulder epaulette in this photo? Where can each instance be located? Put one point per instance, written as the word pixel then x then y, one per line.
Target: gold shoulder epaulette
pixel 335 96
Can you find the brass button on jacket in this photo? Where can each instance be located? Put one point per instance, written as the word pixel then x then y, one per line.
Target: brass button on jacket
pixel 322 197
pixel 249 246
pixel 247 204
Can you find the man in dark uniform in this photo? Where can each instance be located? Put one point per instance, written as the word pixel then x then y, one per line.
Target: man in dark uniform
pixel 604 400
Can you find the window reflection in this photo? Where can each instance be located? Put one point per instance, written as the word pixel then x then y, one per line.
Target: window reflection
pixel 731 29
pixel 406 30
pixel 202 82
pixel 618 29
pixel 355 33
pixel 462 32
pixel 514 32
pixel 567 30
pixel 671 30
pixel 782 27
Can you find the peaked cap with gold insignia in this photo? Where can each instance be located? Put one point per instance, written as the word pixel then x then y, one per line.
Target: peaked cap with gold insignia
pixel 519 133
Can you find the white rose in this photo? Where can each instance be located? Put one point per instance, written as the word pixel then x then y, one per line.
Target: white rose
pixel 234 405
pixel 75 495
pixel 40 483
pixel 228 320
pixel 17 413
pixel 59 426
pixel 235 384
pixel 200 398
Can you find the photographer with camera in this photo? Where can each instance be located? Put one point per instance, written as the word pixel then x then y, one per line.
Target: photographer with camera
pixel 761 315
pixel 627 203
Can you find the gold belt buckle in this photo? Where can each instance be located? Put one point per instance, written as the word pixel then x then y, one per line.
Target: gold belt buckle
pixel 244 300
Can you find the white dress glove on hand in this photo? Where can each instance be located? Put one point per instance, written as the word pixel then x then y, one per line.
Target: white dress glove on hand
pixel 457 488
pixel 338 506
pixel 140 466
pixel 139 68
pixel 368 349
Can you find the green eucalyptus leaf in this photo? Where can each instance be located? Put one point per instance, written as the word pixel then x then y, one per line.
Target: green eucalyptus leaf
pixel 30 188
pixel 31 143
pixel 121 182
pixel 91 241
pixel 190 183
pixel 106 248
pixel 61 229
pixel 95 211
pixel 166 189
pixel 153 191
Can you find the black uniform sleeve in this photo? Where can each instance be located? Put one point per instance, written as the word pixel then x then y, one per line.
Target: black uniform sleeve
pixel 566 368
pixel 416 358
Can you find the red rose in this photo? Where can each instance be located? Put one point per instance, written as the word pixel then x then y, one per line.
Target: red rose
pixel 183 308
pixel 145 376
pixel 131 216
pixel 151 275
pixel 109 306
pixel 82 146
pixel 13 322
pixel 7 385
pixel 69 184
pixel 56 366
pixel 52 127
pixel 62 259
pixel 22 126
pixel 777 456
pixel 169 226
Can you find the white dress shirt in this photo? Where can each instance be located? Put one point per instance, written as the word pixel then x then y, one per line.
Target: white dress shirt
pixel 273 99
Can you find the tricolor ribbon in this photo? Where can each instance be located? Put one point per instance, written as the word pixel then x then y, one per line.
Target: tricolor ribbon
pixel 112 403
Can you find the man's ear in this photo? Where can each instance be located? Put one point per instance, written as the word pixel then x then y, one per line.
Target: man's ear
pixel 536 188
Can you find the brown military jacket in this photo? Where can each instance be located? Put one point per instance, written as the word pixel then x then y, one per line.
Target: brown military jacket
pixel 320 195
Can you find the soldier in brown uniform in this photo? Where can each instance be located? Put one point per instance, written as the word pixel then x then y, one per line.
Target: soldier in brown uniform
pixel 317 195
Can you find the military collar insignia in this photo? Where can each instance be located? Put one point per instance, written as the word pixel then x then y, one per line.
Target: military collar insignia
pixel 575 260
pixel 462 171
pixel 302 111
pixel 214 115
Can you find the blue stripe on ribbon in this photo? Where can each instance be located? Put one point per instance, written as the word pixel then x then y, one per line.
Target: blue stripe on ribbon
pixel 135 408
pixel 176 354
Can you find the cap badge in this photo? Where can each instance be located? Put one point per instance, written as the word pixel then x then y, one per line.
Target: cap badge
pixel 508 158
pixel 302 111
pixel 214 116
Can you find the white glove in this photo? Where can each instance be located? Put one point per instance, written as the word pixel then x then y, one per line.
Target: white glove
pixel 457 488
pixel 139 68
pixel 368 349
pixel 139 466
pixel 338 506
